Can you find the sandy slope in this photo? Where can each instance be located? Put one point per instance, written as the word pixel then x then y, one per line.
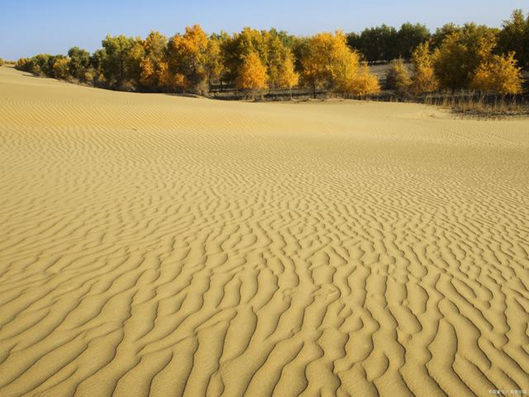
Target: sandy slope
pixel 175 246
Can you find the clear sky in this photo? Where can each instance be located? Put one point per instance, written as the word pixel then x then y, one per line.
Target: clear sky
pixel 28 27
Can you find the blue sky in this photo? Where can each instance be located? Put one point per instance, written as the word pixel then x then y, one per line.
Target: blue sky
pixel 53 26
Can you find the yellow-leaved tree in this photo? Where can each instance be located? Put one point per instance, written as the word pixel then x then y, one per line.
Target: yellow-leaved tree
pixel 343 70
pixel 148 76
pixel 287 77
pixel 154 47
pixel 498 75
pixel 329 63
pixel 319 64
pixel 188 59
pixel 164 76
pixel 424 79
pixel 252 74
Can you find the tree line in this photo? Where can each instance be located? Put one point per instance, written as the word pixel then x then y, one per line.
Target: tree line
pixel 454 57
pixel 386 43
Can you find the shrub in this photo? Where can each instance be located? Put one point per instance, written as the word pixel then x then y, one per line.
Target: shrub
pixel 61 69
pixel 25 64
pixel 398 77
pixel 364 83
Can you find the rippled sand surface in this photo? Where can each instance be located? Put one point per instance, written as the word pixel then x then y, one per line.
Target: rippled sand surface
pixel 167 246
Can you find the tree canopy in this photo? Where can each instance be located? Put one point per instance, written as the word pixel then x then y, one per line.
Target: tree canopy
pixel 454 57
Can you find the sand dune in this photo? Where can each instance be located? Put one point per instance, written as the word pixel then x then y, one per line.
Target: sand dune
pixel 166 246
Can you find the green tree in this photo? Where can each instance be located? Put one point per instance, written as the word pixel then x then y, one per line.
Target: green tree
pixel 514 37
pixel 300 50
pixel 409 37
pixel 114 62
pixel 98 60
pixel 461 53
pixel 133 63
pixel 377 43
pixel 442 33
pixel 41 65
pixel 61 68
pixel 214 66
pixel 79 62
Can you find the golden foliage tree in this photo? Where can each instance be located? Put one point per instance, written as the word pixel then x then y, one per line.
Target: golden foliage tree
pixel 277 57
pixel 498 75
pixel 164 76
pixel 118 64
pixel 180 82
pixel 188 58
pixel 328 62
pixel 398 77
pixel 148 76
pixel 287 77
pixel 252 75
pixel 324 59
pixel 343 71
pixel 424 79
pixel 154 47
pixel 236 48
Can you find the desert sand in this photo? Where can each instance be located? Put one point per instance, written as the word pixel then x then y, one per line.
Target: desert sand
pixel 166 246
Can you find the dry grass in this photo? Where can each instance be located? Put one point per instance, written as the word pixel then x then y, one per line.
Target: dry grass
pixel 482 106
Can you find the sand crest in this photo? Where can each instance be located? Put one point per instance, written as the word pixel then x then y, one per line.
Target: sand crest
pixel 166 246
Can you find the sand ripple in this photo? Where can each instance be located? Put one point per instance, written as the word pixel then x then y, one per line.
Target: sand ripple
pixel 155 245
